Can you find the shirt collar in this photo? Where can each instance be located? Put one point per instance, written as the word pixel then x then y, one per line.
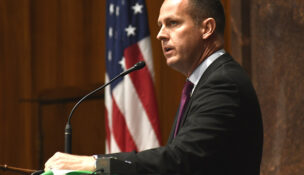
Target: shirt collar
pixel 199 71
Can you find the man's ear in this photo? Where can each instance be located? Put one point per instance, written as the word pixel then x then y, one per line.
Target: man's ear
pixel 208 27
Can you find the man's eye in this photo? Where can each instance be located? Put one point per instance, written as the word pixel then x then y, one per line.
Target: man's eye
pixel 172 23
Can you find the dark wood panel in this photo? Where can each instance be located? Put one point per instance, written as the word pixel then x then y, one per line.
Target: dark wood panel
pixel 87 125
pixel 16 137
pixel 41 50
pixel 68 43
pixel 68 53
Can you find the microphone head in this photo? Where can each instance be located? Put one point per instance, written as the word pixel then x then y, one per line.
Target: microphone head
pixel 136 66
pixel 139 65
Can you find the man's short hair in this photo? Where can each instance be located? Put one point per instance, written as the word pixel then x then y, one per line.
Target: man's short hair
pixel 201 9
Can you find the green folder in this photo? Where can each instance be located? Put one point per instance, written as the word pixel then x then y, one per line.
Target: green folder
pixel 66 172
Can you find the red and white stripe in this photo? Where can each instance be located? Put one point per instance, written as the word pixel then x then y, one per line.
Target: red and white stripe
pixel 131 111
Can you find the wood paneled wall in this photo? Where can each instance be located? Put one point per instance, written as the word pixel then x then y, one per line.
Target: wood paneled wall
pixel 52 52
pixel 16 121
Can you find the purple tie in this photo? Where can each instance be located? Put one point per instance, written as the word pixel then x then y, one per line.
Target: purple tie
pixel 184 100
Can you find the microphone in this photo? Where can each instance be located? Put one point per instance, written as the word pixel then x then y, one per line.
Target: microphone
pixel 68 127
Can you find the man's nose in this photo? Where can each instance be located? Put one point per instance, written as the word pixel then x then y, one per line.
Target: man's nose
pixel 162 34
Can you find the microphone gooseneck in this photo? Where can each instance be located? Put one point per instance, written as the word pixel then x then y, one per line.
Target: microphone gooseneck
pixel 68 127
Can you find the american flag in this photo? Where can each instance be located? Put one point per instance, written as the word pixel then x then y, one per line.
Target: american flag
pixel 131 110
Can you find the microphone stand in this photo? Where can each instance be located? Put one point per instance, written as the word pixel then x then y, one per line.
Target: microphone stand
pixel 68 127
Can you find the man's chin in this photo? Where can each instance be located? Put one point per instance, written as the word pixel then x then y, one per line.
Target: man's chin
pixel 175 65
pixel 171 63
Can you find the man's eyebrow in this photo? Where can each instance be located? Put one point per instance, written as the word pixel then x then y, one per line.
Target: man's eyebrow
pixel 159 22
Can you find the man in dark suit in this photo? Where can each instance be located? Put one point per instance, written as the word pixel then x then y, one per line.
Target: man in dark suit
pixel 218 129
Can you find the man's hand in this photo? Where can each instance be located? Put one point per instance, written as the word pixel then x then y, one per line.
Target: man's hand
pixel 63 161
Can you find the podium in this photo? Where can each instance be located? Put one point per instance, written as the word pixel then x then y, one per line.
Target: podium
pixel 113 166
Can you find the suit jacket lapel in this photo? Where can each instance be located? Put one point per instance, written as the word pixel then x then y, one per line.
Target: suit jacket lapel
pixel 217 63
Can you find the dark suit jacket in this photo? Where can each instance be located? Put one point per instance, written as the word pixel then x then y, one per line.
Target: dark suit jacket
pixel 221 132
